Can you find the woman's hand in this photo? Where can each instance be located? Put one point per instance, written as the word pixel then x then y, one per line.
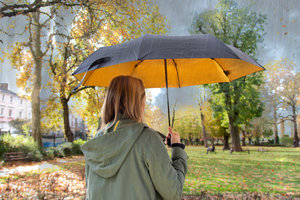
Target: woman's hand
pixel 175 137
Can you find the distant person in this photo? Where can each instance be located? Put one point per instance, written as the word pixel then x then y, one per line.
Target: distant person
pixel 128 160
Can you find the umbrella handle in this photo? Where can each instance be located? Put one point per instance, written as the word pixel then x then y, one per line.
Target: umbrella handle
pixel 168 106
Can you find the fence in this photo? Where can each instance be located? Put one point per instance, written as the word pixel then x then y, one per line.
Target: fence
pixel 53 140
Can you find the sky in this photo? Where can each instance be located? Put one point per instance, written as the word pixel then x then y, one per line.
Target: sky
pixel 282 39
pixel 282 27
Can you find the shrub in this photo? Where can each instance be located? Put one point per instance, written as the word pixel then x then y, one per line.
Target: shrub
pixel 65 149
pixel 35 155
pixel 271 141
pixel 26 144
pixel 57 151
pixel 286 141
pixel 76 147
pixel 50 153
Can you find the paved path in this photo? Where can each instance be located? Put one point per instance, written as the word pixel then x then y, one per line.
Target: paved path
pixel 38 167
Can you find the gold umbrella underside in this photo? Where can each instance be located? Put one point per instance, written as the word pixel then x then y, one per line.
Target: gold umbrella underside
pixel 181 72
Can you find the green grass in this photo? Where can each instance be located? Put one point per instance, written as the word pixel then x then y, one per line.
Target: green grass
pixel 276 171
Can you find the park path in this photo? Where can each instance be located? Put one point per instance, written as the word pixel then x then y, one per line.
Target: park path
pixel 41 166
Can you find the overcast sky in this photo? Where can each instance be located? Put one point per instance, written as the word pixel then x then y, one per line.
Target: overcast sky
pixel 282 39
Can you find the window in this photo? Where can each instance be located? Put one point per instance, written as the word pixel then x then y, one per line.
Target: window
pixel 10 113
pixel 2 112
pixel 3 97
pixel 11 99
pixel 20 114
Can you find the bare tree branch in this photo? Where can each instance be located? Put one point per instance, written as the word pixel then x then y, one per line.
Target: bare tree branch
pixel 14 9
pixel 83 88
pixel 52 65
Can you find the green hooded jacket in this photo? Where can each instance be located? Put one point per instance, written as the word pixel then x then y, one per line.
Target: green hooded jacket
pixel 132 163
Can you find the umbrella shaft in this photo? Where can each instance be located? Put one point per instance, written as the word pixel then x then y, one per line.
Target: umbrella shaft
pixel 166 75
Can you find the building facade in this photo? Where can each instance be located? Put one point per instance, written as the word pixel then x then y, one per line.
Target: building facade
pixel 12 107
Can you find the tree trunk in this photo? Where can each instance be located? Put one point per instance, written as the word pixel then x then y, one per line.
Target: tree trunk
pixel 35 94
pixel 235 136
pixel 250 139
pixel 296 138
pixel 276 139
pixel 226 142
pixel 173 116
pixel 203 128
pixel 232 115
pixel 282 128
pixel 244 138
pixel 68 132
pixel 190 139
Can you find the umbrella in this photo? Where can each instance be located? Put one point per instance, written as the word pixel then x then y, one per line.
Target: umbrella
pixel 167 61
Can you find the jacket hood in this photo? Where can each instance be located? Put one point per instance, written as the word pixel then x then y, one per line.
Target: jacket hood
pixel 106 153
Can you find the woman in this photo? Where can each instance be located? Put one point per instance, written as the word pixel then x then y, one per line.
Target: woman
pixel 127 159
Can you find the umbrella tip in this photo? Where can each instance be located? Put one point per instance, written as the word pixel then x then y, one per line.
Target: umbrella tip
pixel 226 72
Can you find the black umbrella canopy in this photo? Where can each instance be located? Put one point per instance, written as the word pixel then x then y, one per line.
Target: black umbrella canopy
pixel 190 60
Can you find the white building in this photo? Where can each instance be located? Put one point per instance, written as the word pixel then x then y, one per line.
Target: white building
pixel 12 107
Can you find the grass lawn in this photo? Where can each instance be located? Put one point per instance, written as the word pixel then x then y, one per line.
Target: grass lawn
pixel 275 171
pixel 273 174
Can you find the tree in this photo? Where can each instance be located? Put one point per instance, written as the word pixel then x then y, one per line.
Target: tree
pixel 258 127
pixel 123 22
pixel 219 123
pixel 218 131
pixel 243 29
pixel 153 114
pixel 282 89
pixel 203 97
pixel 108 23
pixel 289 94
pixel 271 92
pixel 15 8
pixel 19 124
pixel 187 123
pixel 28 57
pixel 38 24
pixel 88 106
pixel 71 48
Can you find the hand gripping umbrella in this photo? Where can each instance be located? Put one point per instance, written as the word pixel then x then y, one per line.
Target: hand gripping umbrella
pixel 167 61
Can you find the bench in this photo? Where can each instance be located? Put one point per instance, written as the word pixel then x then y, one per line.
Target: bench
pixel 14 156
pixel 245 150
pixel 262 150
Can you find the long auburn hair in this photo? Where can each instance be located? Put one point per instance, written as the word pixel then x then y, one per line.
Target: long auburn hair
pixel 124 97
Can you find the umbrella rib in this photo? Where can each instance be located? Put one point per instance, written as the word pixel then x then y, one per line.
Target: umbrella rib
pixel 135 66
pixel 175 64
pixel 224 71
pixel 82 80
